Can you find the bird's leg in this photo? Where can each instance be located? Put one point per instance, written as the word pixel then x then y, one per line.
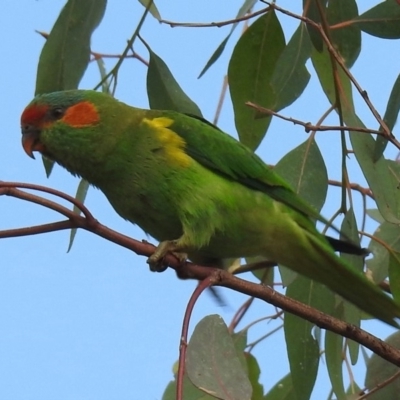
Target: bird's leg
pixel 168 246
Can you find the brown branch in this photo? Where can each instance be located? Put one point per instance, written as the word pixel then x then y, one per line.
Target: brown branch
pixel 7 189
pixel 87 222
pixel 189 270
pixel 37 229
pixel 317 317
pixel 203 285
pixel 97 55
pixel 385 130
pixel 246 17
pixel 221 99
pixel 354 186
pixel 135 55
pixel 239 314
pixel 308 125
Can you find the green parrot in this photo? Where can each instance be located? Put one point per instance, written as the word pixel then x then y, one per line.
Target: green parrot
pixel 194 188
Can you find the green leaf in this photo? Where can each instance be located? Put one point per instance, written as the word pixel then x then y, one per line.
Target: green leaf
pixel 244 9
pixel 379 370
pixel 249 74
pixel 323 66
pixel 375 215
pixel 212 363
pixel 105 83
pixel 214 57
pixel 346 40
pixel 382 21
pixel 164 91
pixel 349 312
pixel 291 77
pixel 350 231
pixel 81 193
pixel 383 175
pixel 379 265
pixel 304 168
pixel 312 12
pixel 390 117
pixel 66 53
pixel 254 376
pixel 48 165
pixel 302 348
pixel 393 106
pixel 190 392
pixel 283 390
pixel 334 361
pixel 152 10
pixel 353 391
pixel 240 343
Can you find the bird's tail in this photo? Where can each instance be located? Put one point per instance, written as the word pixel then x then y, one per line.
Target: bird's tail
pixel 350 283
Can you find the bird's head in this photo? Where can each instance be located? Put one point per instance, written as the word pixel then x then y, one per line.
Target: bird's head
pixel 53 120
pixel 75 128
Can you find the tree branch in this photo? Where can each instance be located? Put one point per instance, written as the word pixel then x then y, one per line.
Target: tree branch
pixel 188 270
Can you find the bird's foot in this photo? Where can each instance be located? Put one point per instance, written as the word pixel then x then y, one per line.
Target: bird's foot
pixel 155 261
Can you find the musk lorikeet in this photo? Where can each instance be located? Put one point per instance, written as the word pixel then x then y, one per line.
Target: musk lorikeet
pixel 192 187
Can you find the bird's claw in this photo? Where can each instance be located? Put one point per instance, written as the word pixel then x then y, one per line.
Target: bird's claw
pixel 155 261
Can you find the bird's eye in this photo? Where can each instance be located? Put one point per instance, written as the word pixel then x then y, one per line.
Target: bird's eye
pixel 57 113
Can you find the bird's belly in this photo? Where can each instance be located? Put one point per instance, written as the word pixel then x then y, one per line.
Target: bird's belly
pixel 259 227
pixel 152 214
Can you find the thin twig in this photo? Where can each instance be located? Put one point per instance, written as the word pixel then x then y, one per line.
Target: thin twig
pixel 246 17
pixel 308 126
pixel 129 47
pixel 380 385
pixel 354 186
pixel 240 313
pixel 97 56
pixel 204 284
pixel 221 100
pixel 332 51
pixel 253 344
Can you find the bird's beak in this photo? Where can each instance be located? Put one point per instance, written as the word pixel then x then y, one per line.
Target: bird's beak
pixel 31 140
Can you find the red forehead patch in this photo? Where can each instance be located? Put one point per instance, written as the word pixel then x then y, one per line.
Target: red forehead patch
pixel 33 114
pixel 81 114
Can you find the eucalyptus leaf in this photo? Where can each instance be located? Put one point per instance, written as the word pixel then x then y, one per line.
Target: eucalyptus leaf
pixel 291 76
pixel 244 9
pixel 379 370
pixel 302 348
pixel 382 21
pixel 152 9
pixel 282 390
pixel 212 363
pixel 164 91
pixel 81 193
pixel 66 52
pixel 334 362
pixel 346 39
pixel 390 118
pixel 249 74
pixel 379 265
pixel 383 176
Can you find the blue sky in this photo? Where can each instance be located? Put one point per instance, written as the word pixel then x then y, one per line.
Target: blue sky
pixel 95 323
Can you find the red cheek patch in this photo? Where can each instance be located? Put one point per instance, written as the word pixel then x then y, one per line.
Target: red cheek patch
pixel 33 114
pixel 81 114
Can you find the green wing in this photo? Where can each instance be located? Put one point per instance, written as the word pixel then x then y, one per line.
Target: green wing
pixel 218 151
